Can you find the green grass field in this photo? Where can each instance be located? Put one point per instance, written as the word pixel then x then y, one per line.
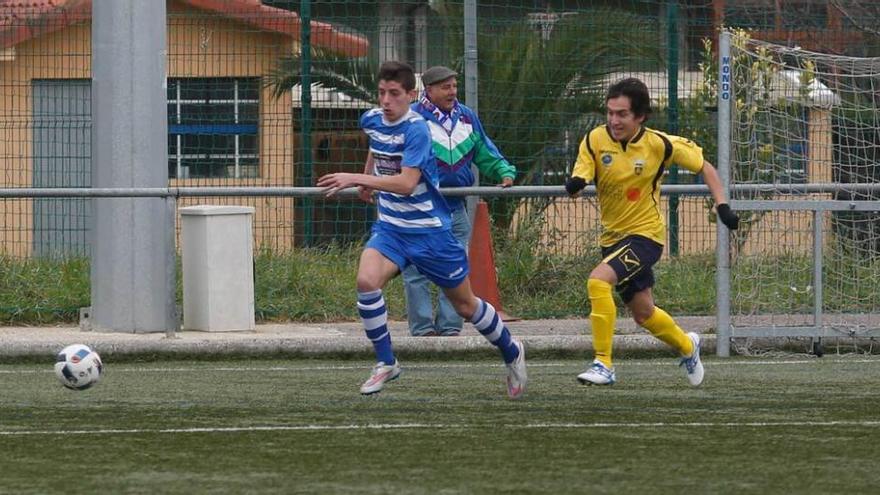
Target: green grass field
pixel 796 425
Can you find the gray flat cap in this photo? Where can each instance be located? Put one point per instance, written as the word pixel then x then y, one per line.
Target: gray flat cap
pixel 436 74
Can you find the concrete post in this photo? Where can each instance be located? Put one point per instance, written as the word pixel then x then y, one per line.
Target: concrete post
pixel 133 238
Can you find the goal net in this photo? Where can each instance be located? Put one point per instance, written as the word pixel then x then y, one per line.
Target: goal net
pixel 805 171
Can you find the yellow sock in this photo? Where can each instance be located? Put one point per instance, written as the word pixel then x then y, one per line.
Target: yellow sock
pixel 662 326
pixel 602 316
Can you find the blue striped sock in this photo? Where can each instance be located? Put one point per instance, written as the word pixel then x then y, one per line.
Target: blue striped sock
pixel 490 325
pixel 371 306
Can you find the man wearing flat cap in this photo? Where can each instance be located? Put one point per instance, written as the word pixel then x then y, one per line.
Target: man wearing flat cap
pixel 458 140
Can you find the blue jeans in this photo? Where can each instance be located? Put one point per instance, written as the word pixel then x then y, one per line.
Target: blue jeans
pixel 420 304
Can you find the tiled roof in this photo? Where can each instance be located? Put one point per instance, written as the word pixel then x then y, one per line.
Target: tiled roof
pixel 21 20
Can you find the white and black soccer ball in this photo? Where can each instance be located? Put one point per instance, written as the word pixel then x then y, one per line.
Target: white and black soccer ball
pixel 78 367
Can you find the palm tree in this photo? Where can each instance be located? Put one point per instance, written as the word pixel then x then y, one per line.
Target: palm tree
pixel 537 84
pixel 354 77
pixel 542 89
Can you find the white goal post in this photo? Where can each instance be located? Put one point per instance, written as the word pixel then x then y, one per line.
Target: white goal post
pixel 799 150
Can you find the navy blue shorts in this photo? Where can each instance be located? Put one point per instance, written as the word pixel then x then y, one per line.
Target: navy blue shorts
pixel 439 256
pixel 632 258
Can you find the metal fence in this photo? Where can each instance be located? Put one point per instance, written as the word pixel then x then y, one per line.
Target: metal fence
pixel 238 115
pixel 266 95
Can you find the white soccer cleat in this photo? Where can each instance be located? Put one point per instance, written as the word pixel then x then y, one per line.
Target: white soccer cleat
pixel 693 366
pixel 382 373
pixel 516 373
pixel 598 374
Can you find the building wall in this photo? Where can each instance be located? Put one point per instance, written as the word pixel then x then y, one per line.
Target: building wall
pixel 210 46
pixel 59 55
pixel 569 226
pixel 199 45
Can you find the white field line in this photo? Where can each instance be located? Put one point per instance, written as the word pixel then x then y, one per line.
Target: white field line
pixel 283 369
pixel 440 426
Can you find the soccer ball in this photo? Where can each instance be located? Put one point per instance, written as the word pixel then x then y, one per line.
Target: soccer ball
pixel 78 367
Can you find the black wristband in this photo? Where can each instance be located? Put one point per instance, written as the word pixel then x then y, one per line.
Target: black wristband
pixel 574 185
pixel 727 216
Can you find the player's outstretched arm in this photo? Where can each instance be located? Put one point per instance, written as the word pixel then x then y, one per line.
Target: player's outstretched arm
pixel 713 181
pixel 403 183
pixel 583 170
pixel 574 186
pixel 365 193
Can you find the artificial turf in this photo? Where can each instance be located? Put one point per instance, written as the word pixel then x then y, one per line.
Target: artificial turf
pixel 797 425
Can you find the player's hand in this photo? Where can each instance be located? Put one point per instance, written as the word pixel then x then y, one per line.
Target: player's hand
pixel 574 186
pixel 727 216
pixel 366 194
pixel 333 183
pixel 506 182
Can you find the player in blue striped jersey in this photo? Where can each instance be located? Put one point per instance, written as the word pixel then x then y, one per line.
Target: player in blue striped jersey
pixel 412 228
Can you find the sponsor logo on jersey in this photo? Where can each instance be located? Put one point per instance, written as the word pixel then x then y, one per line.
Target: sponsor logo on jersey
pixel 606 159
pixel 386 165
pixel 639 166
pixel 630 260
pixel 456 272
pixel 633 194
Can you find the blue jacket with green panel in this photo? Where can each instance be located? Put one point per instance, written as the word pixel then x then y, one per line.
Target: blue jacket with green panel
pixel 459 141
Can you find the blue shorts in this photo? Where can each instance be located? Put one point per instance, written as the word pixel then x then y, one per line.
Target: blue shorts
pixel 632 258
pixel 439 256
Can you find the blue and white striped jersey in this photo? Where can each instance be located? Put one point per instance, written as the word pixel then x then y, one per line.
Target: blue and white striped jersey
pixel 407 143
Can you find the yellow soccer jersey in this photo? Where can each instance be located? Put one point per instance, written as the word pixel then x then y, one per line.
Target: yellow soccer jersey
pixel 628 178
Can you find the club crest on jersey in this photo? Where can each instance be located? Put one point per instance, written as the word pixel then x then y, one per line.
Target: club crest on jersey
pixel 606 159
pixel 638 166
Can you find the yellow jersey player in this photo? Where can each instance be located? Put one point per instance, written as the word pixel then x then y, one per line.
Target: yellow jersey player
pixel 627 161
